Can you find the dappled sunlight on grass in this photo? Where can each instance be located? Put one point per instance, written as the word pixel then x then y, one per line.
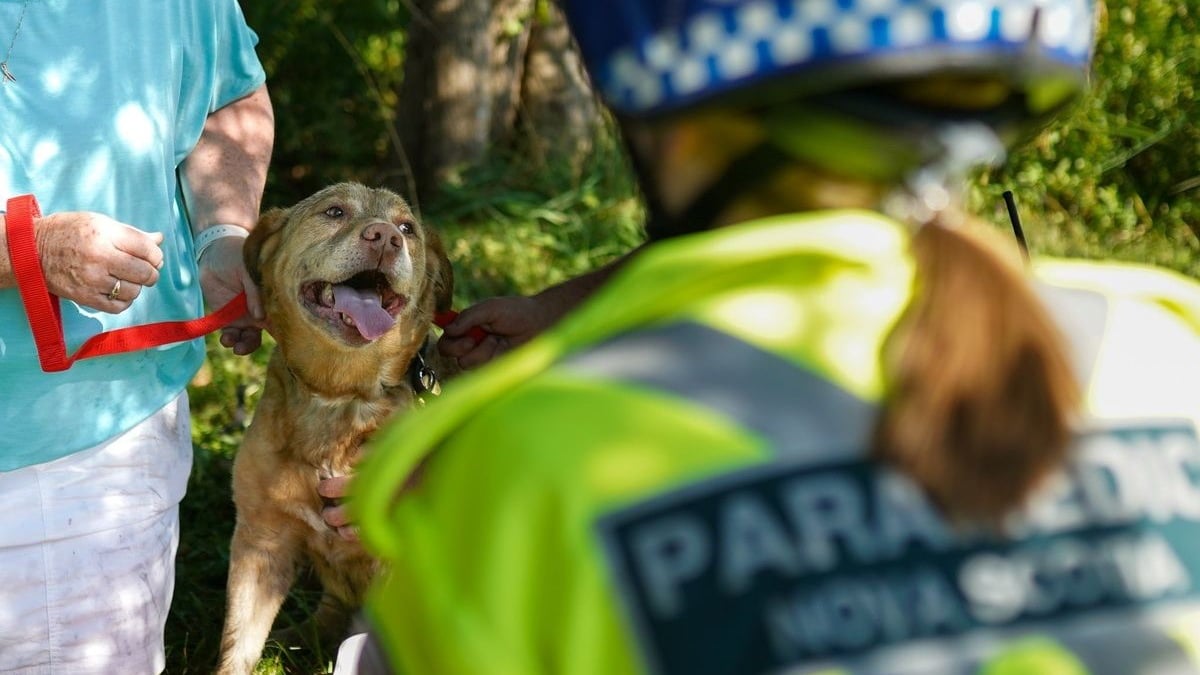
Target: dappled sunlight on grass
pixel 1118 180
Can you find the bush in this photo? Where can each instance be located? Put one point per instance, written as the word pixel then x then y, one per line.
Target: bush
pixel 1116 179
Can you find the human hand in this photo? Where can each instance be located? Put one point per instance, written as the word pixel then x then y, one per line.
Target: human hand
pixel 333 491
pixel 84 255
pixel 222 276
pixel 514 320
pixel 509 321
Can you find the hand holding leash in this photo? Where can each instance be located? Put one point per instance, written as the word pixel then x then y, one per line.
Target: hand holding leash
pixel 484 331
pixel 96 261
pixel 223 276
pixel 45 315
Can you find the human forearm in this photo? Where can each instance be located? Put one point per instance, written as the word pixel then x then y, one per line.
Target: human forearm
pixel 226 172
pixel 224 177
pixel 562 298
pixel 513 320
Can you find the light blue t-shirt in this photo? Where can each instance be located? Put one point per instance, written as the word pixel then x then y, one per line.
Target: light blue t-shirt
pixel 110 97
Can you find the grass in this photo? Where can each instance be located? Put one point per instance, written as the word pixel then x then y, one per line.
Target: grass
pixel 508 230
pixel 1116 179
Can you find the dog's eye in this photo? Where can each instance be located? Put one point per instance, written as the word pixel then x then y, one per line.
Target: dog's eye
pixel 335 212
pixel 406 227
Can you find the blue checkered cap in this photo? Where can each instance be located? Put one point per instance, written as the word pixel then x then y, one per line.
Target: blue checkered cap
pixel 652 56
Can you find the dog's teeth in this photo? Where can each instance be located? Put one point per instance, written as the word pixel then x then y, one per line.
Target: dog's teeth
pixel 327 295
pixel 347 320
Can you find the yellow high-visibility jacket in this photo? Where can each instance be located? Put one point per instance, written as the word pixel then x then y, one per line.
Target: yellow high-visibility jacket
pixel 674 480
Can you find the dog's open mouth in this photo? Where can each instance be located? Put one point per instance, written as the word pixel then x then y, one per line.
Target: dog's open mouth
pixel 361 308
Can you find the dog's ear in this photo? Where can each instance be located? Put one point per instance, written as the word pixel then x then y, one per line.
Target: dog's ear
pixel 439 271
pixel 262 241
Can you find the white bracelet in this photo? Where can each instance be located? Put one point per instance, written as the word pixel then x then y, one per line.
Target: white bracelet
pixel 210 235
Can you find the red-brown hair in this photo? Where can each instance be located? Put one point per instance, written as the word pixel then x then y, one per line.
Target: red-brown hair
pixel 981 391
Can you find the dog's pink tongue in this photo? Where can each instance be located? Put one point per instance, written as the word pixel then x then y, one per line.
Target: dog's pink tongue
pixel 364 307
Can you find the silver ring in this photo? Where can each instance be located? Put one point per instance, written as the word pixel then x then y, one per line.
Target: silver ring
pixel 112 295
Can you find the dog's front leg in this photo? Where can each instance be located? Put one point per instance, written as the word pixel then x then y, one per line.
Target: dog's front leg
pixel 262 566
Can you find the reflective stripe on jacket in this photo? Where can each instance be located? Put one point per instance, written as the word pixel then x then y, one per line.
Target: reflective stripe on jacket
pixel 675 480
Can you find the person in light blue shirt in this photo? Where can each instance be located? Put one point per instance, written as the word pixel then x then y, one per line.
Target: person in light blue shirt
pixel 144 131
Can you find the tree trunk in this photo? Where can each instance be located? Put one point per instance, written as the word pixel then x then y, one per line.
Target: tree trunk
pixel 559 112
pixel 488 74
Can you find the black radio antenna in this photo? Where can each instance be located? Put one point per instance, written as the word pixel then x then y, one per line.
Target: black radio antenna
pixel 1013 216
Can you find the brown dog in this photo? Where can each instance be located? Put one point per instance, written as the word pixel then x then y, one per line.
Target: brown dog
pixel 350 283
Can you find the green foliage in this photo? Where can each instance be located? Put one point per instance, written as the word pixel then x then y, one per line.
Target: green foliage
pixel 1118 178
pixel 333 69
pixel 512 227
pixel 221 396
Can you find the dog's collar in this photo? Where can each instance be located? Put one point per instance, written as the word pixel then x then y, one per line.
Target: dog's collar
pixel 422 378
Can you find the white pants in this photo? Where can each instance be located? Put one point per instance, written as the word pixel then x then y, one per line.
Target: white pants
pixel 87 552
pixel 360 654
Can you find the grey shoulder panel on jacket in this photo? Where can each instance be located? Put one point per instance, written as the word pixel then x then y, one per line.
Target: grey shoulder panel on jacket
pixel 803 415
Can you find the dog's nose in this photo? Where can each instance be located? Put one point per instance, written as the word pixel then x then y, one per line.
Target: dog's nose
pixel 386 235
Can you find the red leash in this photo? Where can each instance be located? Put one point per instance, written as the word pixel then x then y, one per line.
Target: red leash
pixel 443 319
pixel 45 314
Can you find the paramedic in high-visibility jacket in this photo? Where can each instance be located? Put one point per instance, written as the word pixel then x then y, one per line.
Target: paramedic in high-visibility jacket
pixel 824 424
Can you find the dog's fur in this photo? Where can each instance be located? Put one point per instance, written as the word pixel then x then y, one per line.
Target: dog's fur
pixel 329 385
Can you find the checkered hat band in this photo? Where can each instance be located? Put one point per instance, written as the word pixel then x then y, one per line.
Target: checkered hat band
pixel 732 45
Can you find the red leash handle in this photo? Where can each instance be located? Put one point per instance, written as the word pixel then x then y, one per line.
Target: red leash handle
pixel 443 319
pixel 45 315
